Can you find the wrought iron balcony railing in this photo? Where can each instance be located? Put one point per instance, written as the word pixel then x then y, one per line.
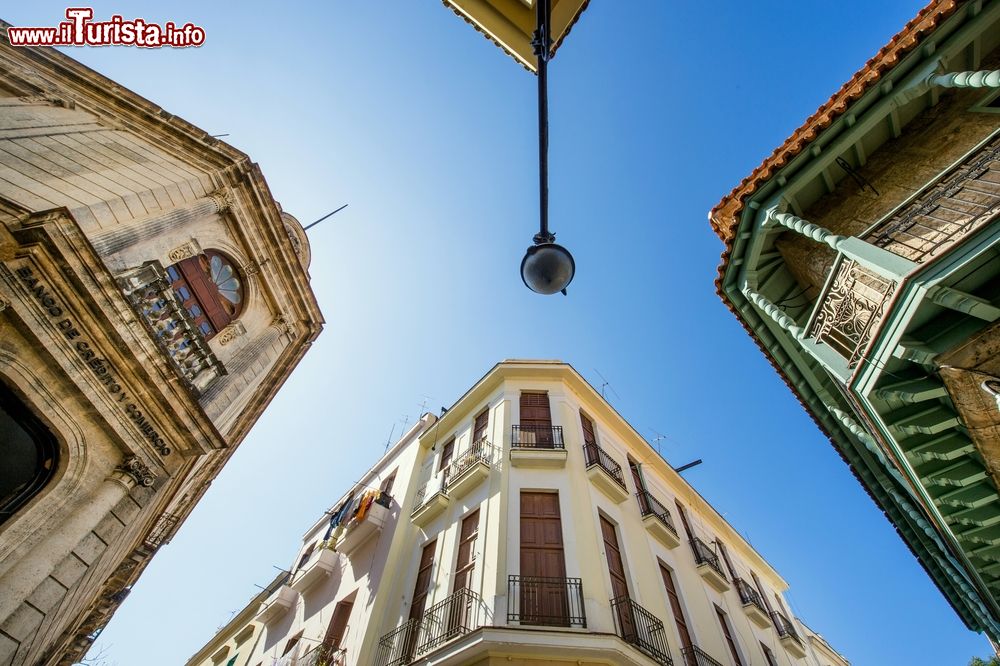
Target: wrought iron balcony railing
pixel 148 291
pixel 595 455
pixel 546 601
pixel 636 625
pixel 695 656
pixel 785 627
pixel 324 655
pixel 962 201
pixel 850 309
pixel 650 506
pixel 435 485
pixel 396 648
pixel 480 452
pixel 703 554
pixel 454 616
pixel 749 595
pixel 536 437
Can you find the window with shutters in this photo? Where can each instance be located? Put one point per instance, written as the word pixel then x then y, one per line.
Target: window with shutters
pixel 676 609
pixel 447 452
pixel 480 425
pixel 210 288
pixel 768 655
pixel 337 628
pixel 386 487
pixel 727 632
pixel 292 642
pixel 306 555
pixel 589 436
pixel 466 562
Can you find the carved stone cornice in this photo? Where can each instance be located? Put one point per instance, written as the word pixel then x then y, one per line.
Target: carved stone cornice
pixel 223 199
pixel 230 333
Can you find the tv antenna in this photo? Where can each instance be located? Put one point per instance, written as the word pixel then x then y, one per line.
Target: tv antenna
pixel 313 224
pixel 388 440
pixel 423 405
pixel 656 441
pixel 605 384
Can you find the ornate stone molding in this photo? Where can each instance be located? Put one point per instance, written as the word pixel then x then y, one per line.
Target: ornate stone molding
pixel 230 333
pixel 223 199
pixel 137 470
pixel 286 325
pixel 189 249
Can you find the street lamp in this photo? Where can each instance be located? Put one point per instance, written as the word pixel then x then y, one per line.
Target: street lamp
pixel 547 268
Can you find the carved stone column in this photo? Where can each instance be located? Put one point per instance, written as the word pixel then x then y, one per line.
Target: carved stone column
pixel 143 229
pixel 32 568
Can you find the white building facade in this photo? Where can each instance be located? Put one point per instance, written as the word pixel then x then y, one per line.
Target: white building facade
pixel 529 524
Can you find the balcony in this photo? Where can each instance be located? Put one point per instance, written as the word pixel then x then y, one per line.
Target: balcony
pixel 451 618
pixel 637 626
pixel 545 601
pixel 430 501
pixel 537 446
pixel 605 473
pixel 657 520
pixel 470 468
pixel 324 655
pixel 318 569
pixel 788 636
pixel 708 565
pixel 850 309
pixel 148 291
pixel 753 605
pixel 695 656
pixel 276 605
pixel 359 532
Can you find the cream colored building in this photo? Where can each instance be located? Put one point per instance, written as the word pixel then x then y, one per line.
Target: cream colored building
pixel 153 298
pixel 529 524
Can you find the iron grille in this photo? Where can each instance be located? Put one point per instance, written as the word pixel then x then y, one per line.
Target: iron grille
pixel 396 647
pixel 480 452
pixel 636 625
pixel 785 627
pixel 650 506
pixel 695 656
pixel 705 555
pixel 324 655
pixel 455 616
pixel 536 437
pixel 749 595
pixel 546 601
pixel 595 455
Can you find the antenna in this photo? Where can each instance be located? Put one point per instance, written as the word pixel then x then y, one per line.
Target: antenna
pixel 388 440
pixel 606 384
pixel 423 404
pixel 656 440
pixel 310 226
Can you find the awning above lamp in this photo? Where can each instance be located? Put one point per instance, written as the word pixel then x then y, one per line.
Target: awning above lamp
pixel 510 23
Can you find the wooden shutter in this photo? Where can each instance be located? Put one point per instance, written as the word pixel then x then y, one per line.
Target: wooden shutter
pixel 724 623
pixel 675 606
pixel 479 429
pixel 386 486
pixel 535 410
pixel 763 593
pixel 195 273
pixel 338 624
pixel 619 584
pixel 466 551
pixel 725 556
pixel 542 556
pixel 423 582
pixel 446 453
pixel 684 519
pixel 589 437
pixel 768 655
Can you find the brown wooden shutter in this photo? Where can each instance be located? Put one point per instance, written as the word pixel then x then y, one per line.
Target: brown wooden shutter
pixel 724 623
pixel 386 486
pixel 195 272
pixel 725 556
pixel 763 593
pixel 446 454
pixel 423 583
pixel 619 584
pixel 684 519
pixel 466 551
pixel 675 606
pixel 768 655
pixel 479 429
pixel 589 437
pixel 535 410
pixel 338 624
pixel 542 556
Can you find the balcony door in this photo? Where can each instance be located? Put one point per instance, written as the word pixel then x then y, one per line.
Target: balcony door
pixel 543 595
pixel 678 613
pixel 460 612
pixel 536 420
pixel 619 585
pixel 420 589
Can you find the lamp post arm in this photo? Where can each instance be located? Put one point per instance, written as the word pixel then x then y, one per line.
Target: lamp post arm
pixel 543 44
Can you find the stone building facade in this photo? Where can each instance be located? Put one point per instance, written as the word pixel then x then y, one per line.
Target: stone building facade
pixel 153 298
pixel 863 256
pixel 529 524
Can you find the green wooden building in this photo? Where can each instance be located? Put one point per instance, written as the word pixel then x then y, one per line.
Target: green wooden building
pixel 863 256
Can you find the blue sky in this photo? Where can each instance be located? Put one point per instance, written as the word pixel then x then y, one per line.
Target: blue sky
pixel 658 108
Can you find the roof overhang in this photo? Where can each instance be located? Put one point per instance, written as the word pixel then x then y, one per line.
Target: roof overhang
pixel 510 23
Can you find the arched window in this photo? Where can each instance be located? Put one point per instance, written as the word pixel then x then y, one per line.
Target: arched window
pixel 29 453
pixel 210 287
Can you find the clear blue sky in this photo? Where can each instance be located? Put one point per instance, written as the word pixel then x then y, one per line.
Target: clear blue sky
pixel 658 108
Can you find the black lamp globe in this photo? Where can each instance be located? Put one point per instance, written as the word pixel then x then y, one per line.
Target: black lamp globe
pixel 547 268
